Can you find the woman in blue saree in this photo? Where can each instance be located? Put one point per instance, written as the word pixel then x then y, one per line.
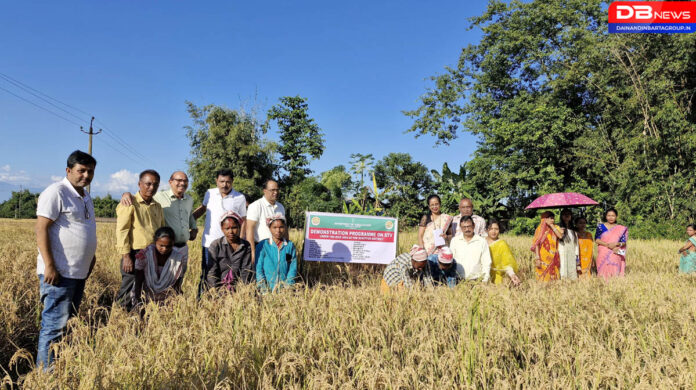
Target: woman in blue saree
pixel 687 262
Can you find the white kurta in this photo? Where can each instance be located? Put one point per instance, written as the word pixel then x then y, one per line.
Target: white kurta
pixel 569 251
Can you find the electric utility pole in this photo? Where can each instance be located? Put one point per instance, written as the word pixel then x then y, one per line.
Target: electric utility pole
pixel 91 133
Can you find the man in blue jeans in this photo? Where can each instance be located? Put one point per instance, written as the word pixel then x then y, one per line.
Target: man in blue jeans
pixel 66 234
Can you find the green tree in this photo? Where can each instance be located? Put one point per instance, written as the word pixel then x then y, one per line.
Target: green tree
pixel 560 105
pixel 223 138
pixel 105 207
pixel 309 195
pixel 409 182
pixel 301 139
pixel 337 180
pixel 22 204
pixel 359 165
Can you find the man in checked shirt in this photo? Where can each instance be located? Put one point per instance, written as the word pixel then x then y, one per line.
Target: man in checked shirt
pixel 407 270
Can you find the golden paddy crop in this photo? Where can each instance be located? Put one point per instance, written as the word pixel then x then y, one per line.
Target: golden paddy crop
pixel 337 331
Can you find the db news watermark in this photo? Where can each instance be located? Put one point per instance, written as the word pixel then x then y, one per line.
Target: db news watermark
pixel 652 17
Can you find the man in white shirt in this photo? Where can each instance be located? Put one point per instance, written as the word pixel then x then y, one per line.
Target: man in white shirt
pixel 261 209
pixel 466 209
pixel 66 235
pixel 471 252
pixel 218 201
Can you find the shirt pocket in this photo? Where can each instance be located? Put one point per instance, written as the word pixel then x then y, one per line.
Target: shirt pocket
pixel 74 211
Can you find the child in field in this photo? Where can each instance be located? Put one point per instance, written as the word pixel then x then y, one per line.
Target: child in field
pixel 276 258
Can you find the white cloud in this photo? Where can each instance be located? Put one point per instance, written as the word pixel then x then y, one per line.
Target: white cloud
pixel 56 178
pixel 9 176
pixel 122 181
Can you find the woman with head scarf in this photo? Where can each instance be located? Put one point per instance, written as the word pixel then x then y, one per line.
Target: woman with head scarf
pixel 276 258
pixel 545 247
pixel 159 268
pixel 229 257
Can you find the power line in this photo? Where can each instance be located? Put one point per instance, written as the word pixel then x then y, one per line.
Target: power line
pixel 26 88
pixel 118 139
pixel 36 90
pixel 41 107
pixel 29 90
pixel 68 120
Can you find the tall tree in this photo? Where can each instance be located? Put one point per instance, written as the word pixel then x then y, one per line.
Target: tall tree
pixel 409 182
pixel 560 105
pixel 359 165
pixel 309 195
pixel 301 139
pixel 337 180
pixel 223 138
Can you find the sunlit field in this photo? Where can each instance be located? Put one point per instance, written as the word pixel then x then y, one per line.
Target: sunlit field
pixel 336 330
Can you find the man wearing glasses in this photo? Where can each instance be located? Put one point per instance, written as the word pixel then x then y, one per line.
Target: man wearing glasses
pixel 177 206
pixel 216 202
pixel 135 230
pixel 262 209
pixel 66 235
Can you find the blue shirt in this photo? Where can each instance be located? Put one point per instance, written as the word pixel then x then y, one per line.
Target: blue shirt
pixel 275 266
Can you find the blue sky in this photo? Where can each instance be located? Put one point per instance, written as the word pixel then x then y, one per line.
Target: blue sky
pixel 134 64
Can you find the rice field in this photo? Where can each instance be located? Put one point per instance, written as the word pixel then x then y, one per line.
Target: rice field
pixel 337 331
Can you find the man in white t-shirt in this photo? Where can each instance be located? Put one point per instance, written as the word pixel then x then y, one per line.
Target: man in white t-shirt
pixel 262 209
pixel 216 202
pixel 66 236
pixel 471 252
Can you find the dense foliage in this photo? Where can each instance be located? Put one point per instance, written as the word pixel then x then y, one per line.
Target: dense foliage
pixel 22 204
pixel 560 105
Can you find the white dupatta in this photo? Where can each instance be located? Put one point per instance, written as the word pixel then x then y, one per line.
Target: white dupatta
pixel 171 271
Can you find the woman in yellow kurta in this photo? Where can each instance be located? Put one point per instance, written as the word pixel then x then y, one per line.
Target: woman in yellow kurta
pixel 503 262
pixel 586 243
pixel 545 246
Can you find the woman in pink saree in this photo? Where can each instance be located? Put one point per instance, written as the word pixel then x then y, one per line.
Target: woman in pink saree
pixel 611 246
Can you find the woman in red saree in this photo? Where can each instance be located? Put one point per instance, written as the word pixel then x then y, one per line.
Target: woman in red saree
pixel 545 246
pixel 611 246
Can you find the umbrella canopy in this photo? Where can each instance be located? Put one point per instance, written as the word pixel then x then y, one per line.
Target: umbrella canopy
pixel 561 199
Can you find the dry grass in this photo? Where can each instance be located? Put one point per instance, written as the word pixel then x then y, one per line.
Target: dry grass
pixel 341 333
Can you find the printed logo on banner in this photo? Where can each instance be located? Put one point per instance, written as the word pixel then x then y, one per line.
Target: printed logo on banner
pixel 316 221
pixel 663 17
pixel 389 225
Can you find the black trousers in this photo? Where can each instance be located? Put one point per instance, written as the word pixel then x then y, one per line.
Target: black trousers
pixel 127 283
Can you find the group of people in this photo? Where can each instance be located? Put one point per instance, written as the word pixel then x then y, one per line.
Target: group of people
pixel 464 248
pixel 249 243
pixel 242 243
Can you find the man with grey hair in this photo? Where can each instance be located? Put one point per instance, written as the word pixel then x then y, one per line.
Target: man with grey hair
pixel 466 209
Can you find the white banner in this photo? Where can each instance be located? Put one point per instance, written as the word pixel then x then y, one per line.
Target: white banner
pixel 350 238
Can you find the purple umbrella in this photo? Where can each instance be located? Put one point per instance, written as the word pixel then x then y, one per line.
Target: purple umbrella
pixel 561 199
